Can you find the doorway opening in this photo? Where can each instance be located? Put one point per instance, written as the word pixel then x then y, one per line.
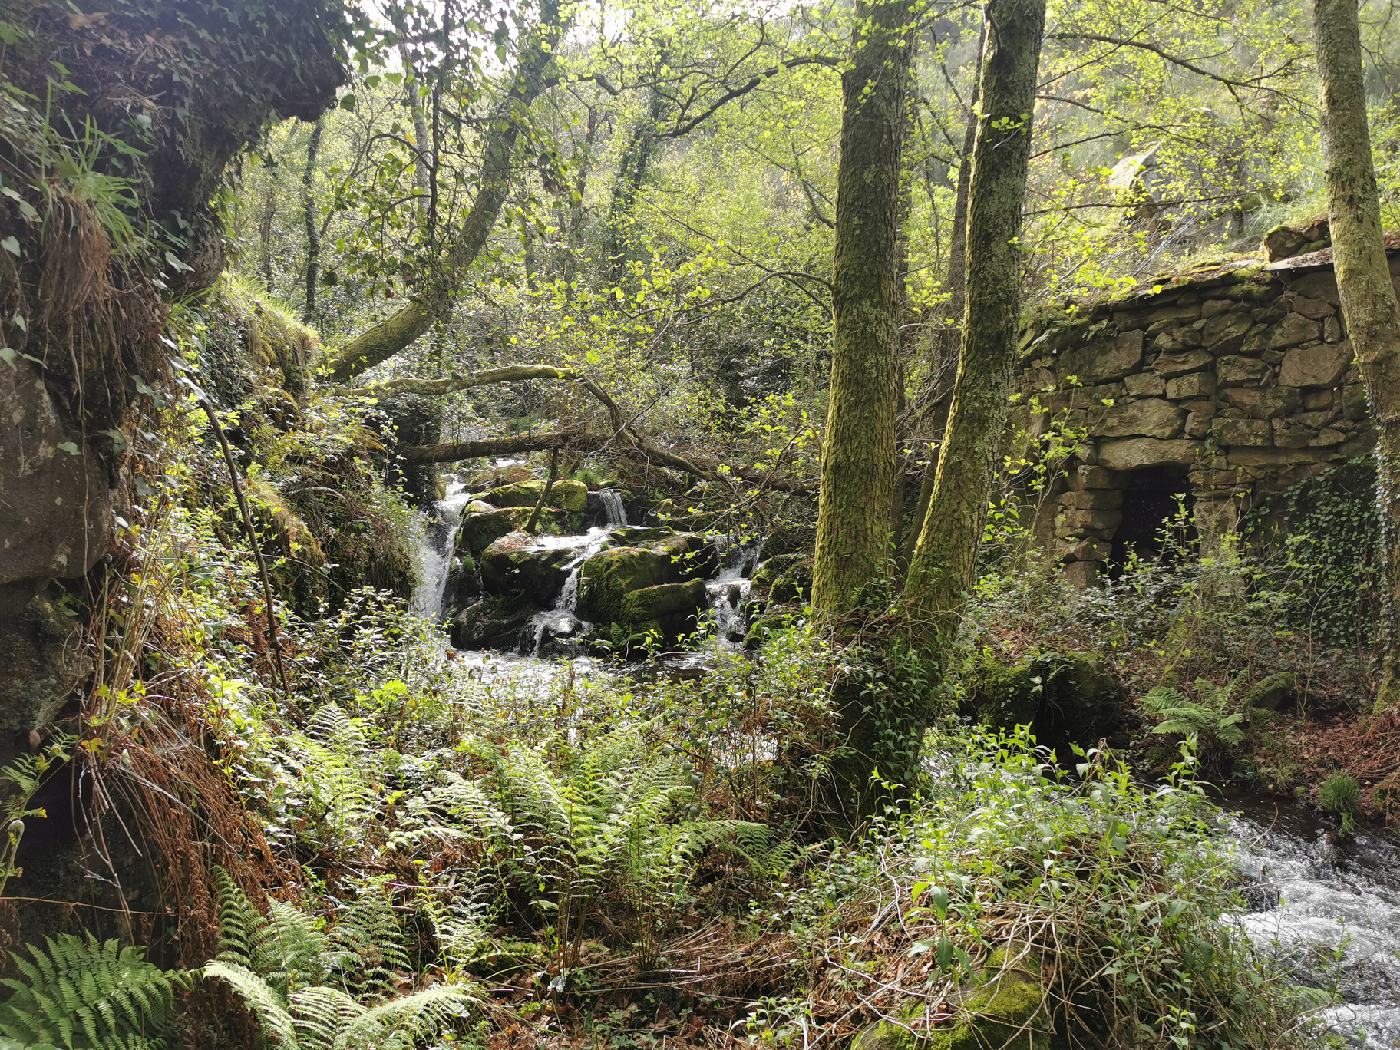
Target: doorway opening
pixel 1158 517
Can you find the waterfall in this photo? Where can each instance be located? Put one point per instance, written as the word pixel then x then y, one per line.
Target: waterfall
pixel 437 539
pixel 614 513
pixel 729 591
pixel 562 621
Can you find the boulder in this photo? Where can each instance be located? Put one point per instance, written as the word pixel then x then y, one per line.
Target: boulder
pixel 607 577
pixel 493 622
pixel 1322 364
pixel 1293 330
pixel 1180 362
pixel 668 608
pixel 1064 697
pixel 1247 433
pixel 511 565
pixel 481 528
pixel 566 495
pixel 783 578
pixel 1236 369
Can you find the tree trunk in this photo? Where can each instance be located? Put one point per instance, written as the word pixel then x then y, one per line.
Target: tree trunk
pixel 308 217
pixel 941 570
pixel 399 330
pixel 945 341
pixel 1363 279
pixel 859 455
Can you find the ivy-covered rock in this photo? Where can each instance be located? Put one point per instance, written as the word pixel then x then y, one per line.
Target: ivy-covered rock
pixel 1066 698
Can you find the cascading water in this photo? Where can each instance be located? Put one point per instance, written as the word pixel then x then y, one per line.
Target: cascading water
pixel 436 542
pixel 729 591
pixel 1331 913
pixel 614 513
pixel 561 621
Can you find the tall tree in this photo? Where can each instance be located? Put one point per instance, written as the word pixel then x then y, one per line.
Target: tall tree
pixel 1363 276
pixel 941 569
pixel 858 458
pixel 502 131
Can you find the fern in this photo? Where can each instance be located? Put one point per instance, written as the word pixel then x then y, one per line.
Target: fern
pixel 79 993
pixel 322 1018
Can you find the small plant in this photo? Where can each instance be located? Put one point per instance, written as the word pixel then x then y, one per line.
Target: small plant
pixel 1213 717
pixel 1340 794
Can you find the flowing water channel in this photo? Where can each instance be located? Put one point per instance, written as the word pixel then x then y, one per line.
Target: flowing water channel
pixel 1328 912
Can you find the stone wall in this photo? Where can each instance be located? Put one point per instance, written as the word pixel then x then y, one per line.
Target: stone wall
pixel 1238 380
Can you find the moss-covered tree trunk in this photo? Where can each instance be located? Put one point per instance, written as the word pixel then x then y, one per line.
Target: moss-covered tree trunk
pixel 1363 276
pixel 858 458
pixel 941 569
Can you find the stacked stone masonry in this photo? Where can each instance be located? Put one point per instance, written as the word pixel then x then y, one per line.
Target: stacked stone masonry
pixel 1240 378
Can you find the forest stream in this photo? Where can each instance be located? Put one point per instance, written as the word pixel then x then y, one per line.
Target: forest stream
pixel 1330 912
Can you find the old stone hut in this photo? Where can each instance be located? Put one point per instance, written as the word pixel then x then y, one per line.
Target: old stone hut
pixel 1219 388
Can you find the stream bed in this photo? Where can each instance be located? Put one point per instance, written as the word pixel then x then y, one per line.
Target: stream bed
pixel 1330 913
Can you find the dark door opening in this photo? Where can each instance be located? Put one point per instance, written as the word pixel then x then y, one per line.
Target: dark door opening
pixel 1158 519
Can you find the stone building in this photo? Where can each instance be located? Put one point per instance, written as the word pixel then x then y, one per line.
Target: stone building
pixel 1217 389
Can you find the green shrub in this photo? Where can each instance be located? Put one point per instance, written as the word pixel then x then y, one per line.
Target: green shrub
pixel 1340 794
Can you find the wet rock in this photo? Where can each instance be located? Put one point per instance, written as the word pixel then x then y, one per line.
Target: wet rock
pixel 481 528
pixel 511 565
pixel 493 622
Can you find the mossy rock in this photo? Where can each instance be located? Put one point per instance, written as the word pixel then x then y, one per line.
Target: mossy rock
pixel 692 555
pixel 669 606
pixel 566 495
pixel 1274 692
pixel 784 578
pixel 1003 1011
pixel 511 565
pixel 611 574
pixel 482 527
pixel 1066 698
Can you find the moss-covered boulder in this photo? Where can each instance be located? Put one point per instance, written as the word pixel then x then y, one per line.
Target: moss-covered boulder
pixel 1066 698
pixel 610 575
pixel 1003 1009
pixel 566 495
pixel 669 609
pixel 484 524
pixel 511 565
pixel 783 578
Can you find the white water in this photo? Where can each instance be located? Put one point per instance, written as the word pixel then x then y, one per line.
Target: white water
pixel 436 548
pixel 729 591
pixel 562 620
pixel 614 513
pixel 1336 923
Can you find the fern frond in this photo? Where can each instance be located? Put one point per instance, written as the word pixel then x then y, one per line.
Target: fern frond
pixel 401 1022
pixel 320 1014
pixel 264 1002
pixel 78 992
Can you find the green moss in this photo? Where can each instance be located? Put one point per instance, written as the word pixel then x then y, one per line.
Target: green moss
pixel 661 602
pixel 484 526
pixel 1063 697
pixel 1002 1010
pixel 565 495
pixel 607 577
